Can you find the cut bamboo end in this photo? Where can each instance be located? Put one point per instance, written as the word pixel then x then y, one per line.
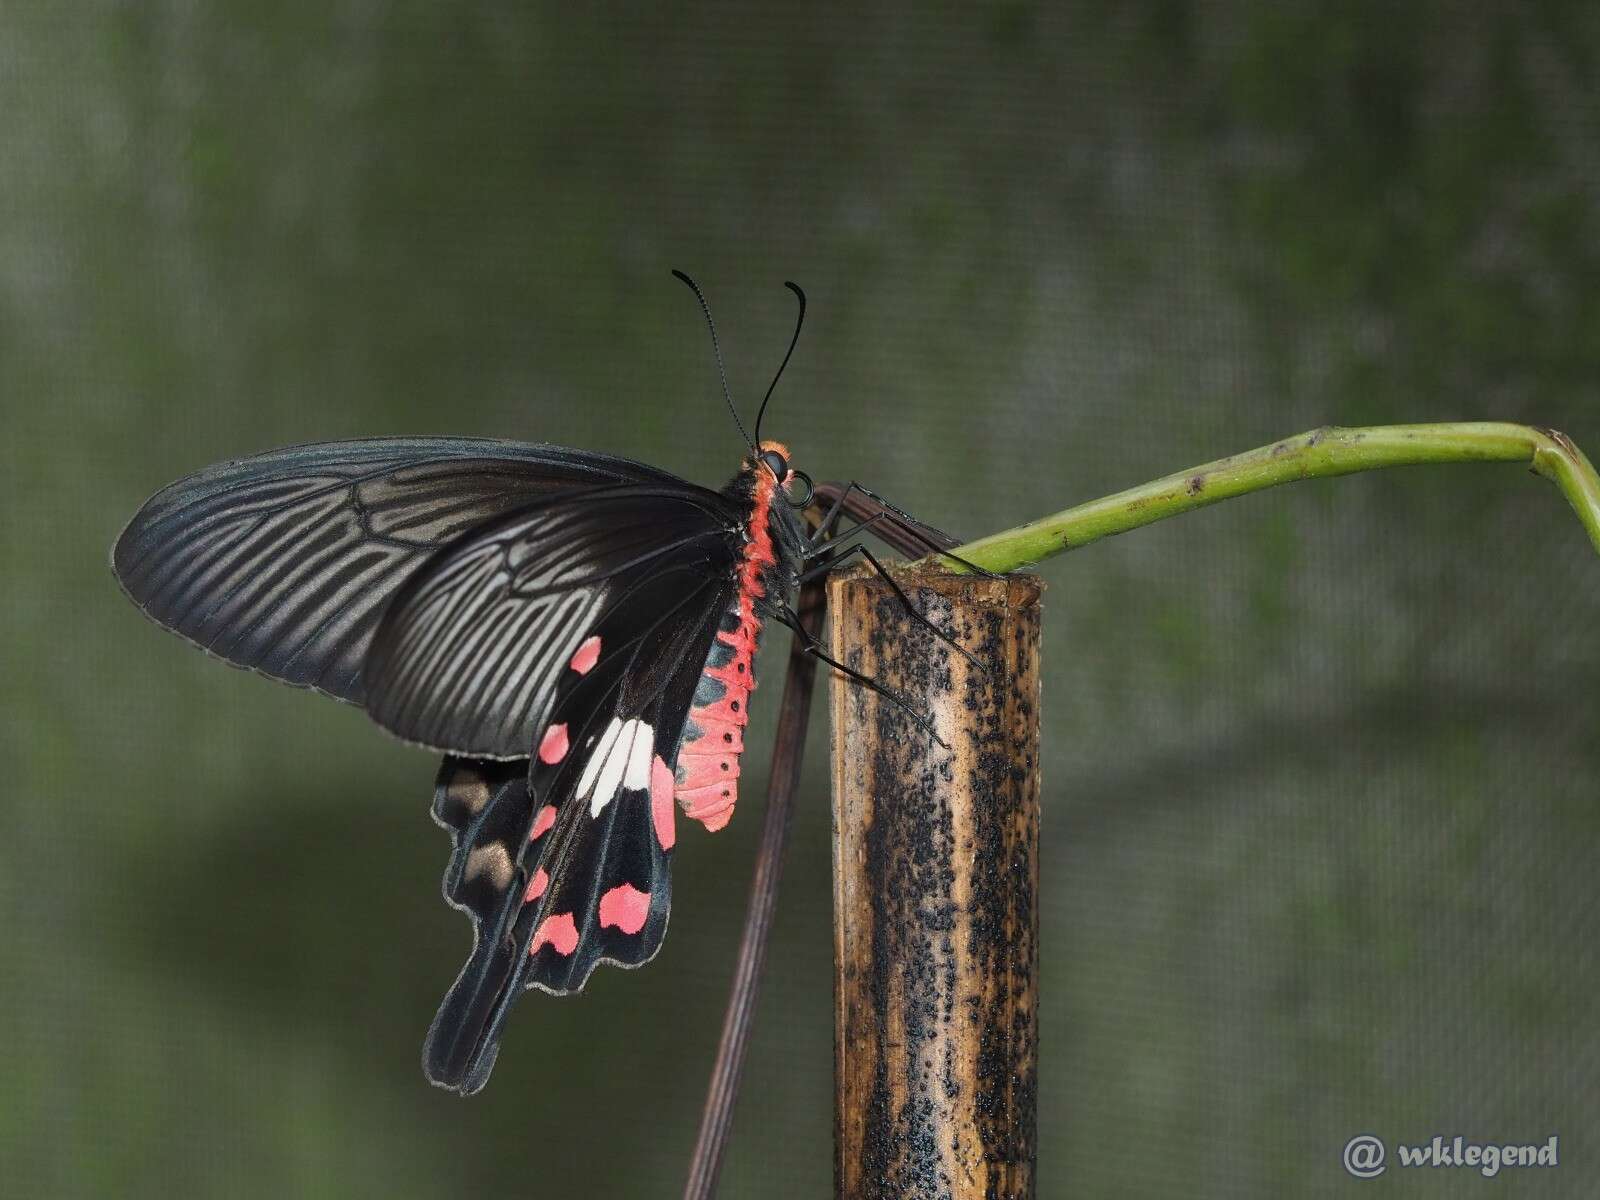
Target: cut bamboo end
pixel 936 868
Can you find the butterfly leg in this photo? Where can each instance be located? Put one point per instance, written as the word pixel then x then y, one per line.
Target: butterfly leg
pixel 934 540
pixel 810 645
pixel 905 601
pixel 827 528
pixel 824 530
pixel 818 549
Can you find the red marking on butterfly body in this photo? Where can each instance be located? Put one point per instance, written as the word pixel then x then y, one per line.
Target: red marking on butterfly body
pixel 542 823
pixel 708 762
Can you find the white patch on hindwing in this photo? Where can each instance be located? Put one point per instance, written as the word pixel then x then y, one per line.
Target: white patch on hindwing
pixel 620 759
pixel 598 756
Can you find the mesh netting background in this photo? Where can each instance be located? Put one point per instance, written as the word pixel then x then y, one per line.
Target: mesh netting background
pixel 1321 822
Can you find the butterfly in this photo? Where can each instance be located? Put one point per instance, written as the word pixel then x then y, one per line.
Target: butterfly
pixel 573 631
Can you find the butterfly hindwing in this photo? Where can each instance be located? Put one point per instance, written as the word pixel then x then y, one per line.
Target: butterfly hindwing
pixel 488 810
pixel 586 826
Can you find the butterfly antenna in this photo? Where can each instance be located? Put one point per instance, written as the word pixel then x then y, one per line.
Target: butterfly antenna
pixel 798 322
pixel 717 350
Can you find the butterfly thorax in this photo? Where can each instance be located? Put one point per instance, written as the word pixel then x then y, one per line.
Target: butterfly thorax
pixel 707 773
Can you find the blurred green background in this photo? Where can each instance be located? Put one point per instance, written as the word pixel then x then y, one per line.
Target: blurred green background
pixel 1321 825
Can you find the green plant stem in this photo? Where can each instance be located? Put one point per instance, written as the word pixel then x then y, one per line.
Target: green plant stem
pixel 1314 455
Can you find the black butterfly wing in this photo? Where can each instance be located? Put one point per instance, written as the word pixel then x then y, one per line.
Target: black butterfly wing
pixel 472 649
pixel 285 562
pixel 564 863
pixel 473 595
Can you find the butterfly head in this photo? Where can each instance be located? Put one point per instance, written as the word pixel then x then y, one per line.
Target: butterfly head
pixel 794 486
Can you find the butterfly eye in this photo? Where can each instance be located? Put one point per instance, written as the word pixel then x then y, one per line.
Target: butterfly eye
pixel 798 490
pixel 774 462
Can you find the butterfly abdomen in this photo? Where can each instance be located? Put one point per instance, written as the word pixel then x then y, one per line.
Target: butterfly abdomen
pixel 706 780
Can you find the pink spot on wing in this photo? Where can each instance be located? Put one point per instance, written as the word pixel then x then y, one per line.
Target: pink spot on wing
pixel 626 907
pixel 559 932
pixel 661 806
pixel 588 654
pixel 553 746
pixel 542 823
pixel 536 886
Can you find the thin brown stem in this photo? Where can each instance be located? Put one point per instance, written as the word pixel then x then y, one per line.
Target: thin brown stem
pixel 782 782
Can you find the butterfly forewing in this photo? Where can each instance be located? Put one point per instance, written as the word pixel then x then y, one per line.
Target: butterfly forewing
pixel 285 562
pixel 472 649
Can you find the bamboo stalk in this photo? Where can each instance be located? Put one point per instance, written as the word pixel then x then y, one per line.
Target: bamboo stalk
pixel 783 779
pixel 936 856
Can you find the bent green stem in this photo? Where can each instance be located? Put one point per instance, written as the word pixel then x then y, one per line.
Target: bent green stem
pixel 1314 455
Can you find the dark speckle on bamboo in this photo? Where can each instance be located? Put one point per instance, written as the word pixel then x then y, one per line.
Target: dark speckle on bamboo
pixel 935 877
